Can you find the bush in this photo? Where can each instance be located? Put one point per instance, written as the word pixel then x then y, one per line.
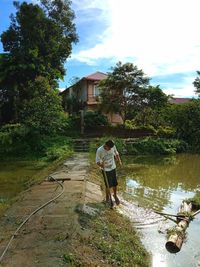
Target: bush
pixel 120 145
pixel 131 124
pixel 12 138
pixel 166 131
pixel 18 140
pixel 186 119
pixel 92 119
pixel 56 152
pixel 157 146
pixel 43 112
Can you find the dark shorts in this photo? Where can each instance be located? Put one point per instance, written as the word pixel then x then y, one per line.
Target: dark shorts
pixel 111 177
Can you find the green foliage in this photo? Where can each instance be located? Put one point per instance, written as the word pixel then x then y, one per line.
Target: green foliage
pixel 132 124
pixel 185 119
pixel 33 51
pixel 197 84
pixel 70 258
pixel 120 145
pixel 123 88
pixel 156 146
pixel 12 138
pixel 72 104
pixel 55 147
pixel 43 113
pixel 126 91
pixel 116 240
pixel 93 119
pixel 155 98
pixel 18 140
pixel 166 131
pixel 55 152
pixel 195 201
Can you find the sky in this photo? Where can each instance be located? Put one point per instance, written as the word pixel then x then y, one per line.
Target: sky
pixel 161 37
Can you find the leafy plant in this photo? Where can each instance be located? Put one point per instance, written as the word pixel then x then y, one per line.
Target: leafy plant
pixel 156 146
pixel 70 258
pixel 93 119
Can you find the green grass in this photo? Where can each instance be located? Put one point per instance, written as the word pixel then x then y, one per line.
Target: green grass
pixel 115 239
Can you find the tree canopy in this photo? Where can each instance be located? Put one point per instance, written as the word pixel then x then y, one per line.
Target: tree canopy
pixel 197 84
pixel 186 120
pixel 37 43
pixel 126 90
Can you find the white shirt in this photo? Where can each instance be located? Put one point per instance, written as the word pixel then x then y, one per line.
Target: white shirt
pixel 107 157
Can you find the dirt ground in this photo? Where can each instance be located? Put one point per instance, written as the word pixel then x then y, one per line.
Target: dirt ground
pixel 52 234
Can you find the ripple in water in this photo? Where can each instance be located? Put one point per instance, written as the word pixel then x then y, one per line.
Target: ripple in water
pixel 141 217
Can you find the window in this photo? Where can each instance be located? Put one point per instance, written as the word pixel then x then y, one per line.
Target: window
pixel 96 90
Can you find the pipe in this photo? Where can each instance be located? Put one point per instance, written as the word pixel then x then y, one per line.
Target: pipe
pixel 34 212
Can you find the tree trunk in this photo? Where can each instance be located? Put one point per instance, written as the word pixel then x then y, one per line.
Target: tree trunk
pixel 176 239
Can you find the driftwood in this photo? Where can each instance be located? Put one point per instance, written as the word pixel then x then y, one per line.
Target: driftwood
pixel 177 235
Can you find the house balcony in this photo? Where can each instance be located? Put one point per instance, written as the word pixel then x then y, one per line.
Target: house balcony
pixel 93 100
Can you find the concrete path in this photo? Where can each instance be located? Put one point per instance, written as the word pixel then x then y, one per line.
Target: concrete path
pixel 45 238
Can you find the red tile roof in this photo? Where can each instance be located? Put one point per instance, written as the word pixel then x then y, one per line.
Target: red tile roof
pixel 97 76
pixel 179 100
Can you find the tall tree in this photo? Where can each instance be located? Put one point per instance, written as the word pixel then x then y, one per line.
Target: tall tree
pixel 197 84
pixel 186 119
pixel 43 113
pixel 153 103
pixel 37 43
pixel 123 89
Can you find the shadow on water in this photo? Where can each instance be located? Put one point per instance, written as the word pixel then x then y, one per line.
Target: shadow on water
pixel 160 183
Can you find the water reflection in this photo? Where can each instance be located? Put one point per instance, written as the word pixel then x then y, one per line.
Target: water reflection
pixel 161 183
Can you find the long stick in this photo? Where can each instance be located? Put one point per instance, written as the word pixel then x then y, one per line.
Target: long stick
pixel 108 188
pixel 178 216
pixel 165 214
pixel 195 213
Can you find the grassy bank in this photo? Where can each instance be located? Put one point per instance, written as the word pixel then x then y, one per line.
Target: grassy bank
pixel 109 240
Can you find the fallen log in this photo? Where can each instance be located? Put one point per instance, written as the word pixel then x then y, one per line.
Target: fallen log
pixel 177 234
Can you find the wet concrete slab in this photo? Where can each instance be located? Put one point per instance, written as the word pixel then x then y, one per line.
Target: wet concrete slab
pixel 43 241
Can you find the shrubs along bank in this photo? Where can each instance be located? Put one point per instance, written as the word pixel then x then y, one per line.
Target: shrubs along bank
pixel 18 141
pixel 148 146
pixel 145 146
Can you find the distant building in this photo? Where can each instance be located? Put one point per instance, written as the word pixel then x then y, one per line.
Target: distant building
pixel 179 100
pixel 86 91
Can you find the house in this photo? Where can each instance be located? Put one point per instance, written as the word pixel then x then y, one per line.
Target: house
pixel 178 100
pixel 86 92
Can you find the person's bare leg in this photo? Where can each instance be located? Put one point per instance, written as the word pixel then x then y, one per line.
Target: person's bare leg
pixel 115 195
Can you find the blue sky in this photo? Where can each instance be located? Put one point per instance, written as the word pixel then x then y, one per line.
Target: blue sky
pixel 161 37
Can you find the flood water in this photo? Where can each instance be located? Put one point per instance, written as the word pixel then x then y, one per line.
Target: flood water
pixel 14 176
pixel 160 183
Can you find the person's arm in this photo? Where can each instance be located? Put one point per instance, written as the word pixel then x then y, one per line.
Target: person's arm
pixel 118 159
pixel 117 156
pixel 100 164
pixel 99 161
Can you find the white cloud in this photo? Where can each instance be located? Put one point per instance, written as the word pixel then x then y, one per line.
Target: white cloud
pixel 161 37
pixel 184 89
